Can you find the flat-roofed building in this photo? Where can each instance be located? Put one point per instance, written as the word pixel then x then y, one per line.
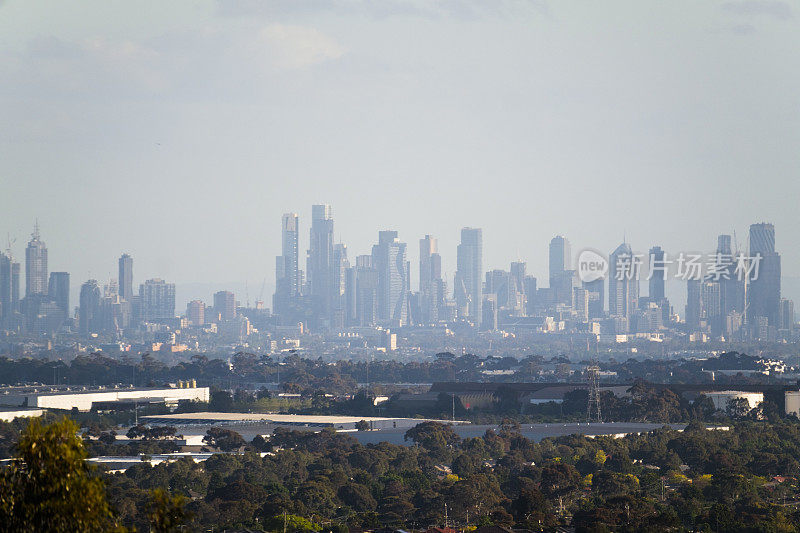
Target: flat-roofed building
pixel 85 399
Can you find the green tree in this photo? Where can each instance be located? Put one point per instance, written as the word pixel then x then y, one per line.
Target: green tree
pixel 167 513
pixel 226 440
pixel 49 486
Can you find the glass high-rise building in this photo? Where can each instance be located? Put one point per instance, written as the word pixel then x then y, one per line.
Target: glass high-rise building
pixel 623 282
pixel 225 305
pixel 657 274
pixel 58 290
pixel 320 262
pixel 9 286
pixel 764 290
pixel 287 268
pixel 36 265
pixel 126 277
pixel 89 319
pixel 561 273
pixel 389 261
pixel 430 275
pixel 469 275
pixel 156 300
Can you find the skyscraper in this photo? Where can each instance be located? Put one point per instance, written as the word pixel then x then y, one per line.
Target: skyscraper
pixel 518 290
pixel 157 300
pixel 225 305
pixel 764 291
pixel 430 277
pixel 58 290
pixel 320 262
pixel 287 267
pixel 694 304
pixel 126 277
pixel 596 290
pixel 530 295
pixel 389 261
pixel 560 257
pixel 89 320
pixel 196 312
pixel 366 291
pixel 340 265
pixel 35 265
pixel 623 282
pixel 469 273
pixel 562 276
pixel 731 287
pixel 9 286
pixel 657 274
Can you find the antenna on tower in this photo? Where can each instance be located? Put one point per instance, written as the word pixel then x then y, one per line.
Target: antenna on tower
pixel 35 234
pixel 593 413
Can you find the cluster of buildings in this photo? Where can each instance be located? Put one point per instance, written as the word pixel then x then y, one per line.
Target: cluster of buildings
pixel 370 298
pixel 334 293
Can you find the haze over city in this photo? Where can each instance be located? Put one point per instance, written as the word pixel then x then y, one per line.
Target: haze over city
pixel 180 133
pixel 391 266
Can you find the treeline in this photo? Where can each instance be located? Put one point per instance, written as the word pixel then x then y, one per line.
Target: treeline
pixel 297 374
pixel 744 479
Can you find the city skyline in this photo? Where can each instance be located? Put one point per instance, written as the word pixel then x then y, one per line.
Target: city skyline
pixel 266 287
pixel 580 124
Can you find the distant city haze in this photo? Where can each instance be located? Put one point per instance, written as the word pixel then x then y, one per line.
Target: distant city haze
pixel 180 132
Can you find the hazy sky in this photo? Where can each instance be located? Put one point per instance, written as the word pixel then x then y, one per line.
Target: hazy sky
pixel 181 131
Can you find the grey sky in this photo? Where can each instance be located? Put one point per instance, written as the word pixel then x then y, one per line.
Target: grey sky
pixel 180 132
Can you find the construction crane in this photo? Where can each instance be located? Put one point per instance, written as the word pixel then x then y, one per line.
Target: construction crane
pixel 261 293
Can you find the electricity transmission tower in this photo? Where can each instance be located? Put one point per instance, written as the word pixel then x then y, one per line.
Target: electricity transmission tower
pixel 593 405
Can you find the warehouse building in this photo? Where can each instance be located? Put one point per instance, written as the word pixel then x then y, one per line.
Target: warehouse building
pixel 86 399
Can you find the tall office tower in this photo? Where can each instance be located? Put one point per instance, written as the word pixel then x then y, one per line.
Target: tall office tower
pixel 225 305
pixel 196 312
pixel 125 277
pixel 351 296
pixel 340 266
pixel 764 290
pixel 16 271
pixel 518 269
pixel 9 286
pixel 787 316
pixel 561 273
pixel 366 291
pixel 581 299
pixel 287 265
pixel 320 261
pixel 58 290
pixel 623 282
pixel 711 310
pixel 89 319
pixel 35 265
pixel 489 312
pixel 468 288
pixel 597 291
pixel 694 304
pixel 731 288
pixel 498 282
pixel 530 295
pixel 430 275
pixel 427 248
pixel 156 300
pixel 560 256
pixel 389 261
pixel 657 274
